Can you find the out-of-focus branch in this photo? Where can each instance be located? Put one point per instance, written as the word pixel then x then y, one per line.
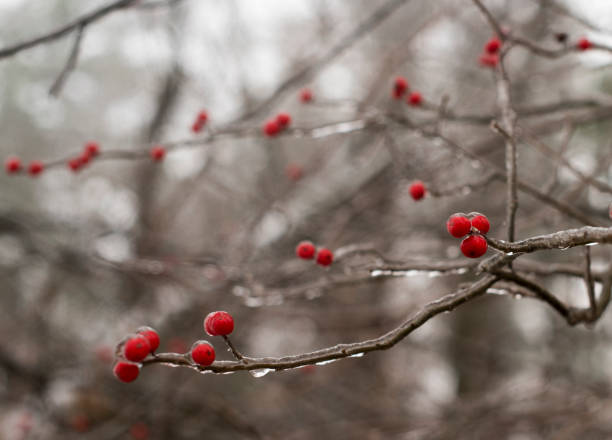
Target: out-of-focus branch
pixel 70 63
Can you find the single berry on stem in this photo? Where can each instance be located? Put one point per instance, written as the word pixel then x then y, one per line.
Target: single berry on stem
pixel 35 168
pixel 474 246
pixel 12 165
pixel 584 44
pixel 157 153
pixel 152 337
pixel 136 348
pixel 417 190
pixel 493 45
pixel 126 371
pixel 202 353
pixel 202 117
pixel 458 225
pixel 271 128
pixel 481 223
pixel 92 149
pixel 415 99
pixel 219 324
pixel 305 250
pixel 325 257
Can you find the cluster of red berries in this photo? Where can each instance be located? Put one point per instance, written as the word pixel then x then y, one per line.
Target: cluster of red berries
pixel 200 121
pixel 490 54
pixel 272 127
pixel 417 190
pixel 306 95
pixel 474 225
pixel 307 251
pixel 90 151
pixel 400 87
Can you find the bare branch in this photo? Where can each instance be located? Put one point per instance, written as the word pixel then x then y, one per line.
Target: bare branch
pixel 70 63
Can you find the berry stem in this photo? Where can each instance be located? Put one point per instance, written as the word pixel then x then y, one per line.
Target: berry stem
pixel 231 346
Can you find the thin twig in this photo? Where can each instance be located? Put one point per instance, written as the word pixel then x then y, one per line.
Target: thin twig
pixel 588 278
pixel 70 63
pixel 233 349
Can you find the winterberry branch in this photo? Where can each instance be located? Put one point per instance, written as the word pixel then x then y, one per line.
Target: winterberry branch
pixel 233 349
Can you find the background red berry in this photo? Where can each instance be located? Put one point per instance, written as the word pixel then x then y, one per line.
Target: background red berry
pixel 126 371
pixel 325 257
pixel 306 95
pixel 415 99
pixel 203 353
pixel 271 128
pixel 474 246
pixel 157 153
pixel 417 190
pixel 35 168
pixel 493 45
pixel 458 225
pixel 584 44
pixel 219 323
pixel 489 60
pixel 92 149
pixel 12 165
pixel 283 120
pixel 305 250
pixel 399 87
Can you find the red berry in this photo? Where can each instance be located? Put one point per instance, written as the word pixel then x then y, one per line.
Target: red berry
pixel 474 246
pixel 305 95
pixel 294 172
pixel 417 190
pixel 415 99
pixel 202 117
pixel 136 348
pixel 325 257
pixel 305 250
pixel 283 120
pixel 219 324
pixel 481 223
pixel 35 168
pixel 92 149
pixel 75 164
pixel 157 153
pixel 84 159
pixel 458 225
pixel 489 60
pixel 12 165
pixel 271 128
pixel 203 353
pixel 126 371
pixel 584 44
pixel 493 45
pixel 151 335
pixel 399 87
pixel 139 431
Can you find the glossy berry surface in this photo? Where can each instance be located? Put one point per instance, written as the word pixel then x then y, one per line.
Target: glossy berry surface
pixel 152 337
pixel 417 190
pixel 136 348
pixel 325 257
pixel 126 371
pixel 12 165
pixel 219 323
pixel 305 250
pixel 481 223
pixel 202 353
pixel 158 153
pixel 474 246
pixel 35 168
pixel 458 225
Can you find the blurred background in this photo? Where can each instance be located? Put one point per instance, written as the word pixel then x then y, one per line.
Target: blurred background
pixel 88 257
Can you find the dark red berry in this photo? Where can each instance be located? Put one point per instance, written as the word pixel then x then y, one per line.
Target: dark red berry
pixel 283 120
pixel 203 353
pixel 157 153
pixel 458 225
pixel 136 348
pixel 126 371
pixel 35 168
pixel 219 324
pixel 92 149
pixel 399 87
pixel 415 99
pixel 417 190
pixel 325 257
pixel 493 45
pixel 474 246
pixel 151 335
pixel 489 60
pixel 139 431
pixel 75 164
pixel 481 223
pixel 12 165
pixel 584 44
pixel 305 250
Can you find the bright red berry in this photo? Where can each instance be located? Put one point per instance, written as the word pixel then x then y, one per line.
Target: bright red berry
pixel 35 168
pixel 92 149
pixel 219 324
pixel 458 225
pixel 305 250
pixel 493 45
pixel 417 190
pixel 202 117
pixel 203 353
pixel 139 431
pixel 157 153
pixel 584 44
pixel 306 95
pixel 415 99
pixel 294 172
pixel 489 59
pixel 84 158
pixel 12 165
pixel 481 223
pixel 325 257
pixel 399 87
pixel 271 128
pixel 126 371
pixel 196 127
pixel 136 348
pixel 75 164
pixel 151 335
pixel 283 120
pixel 474 246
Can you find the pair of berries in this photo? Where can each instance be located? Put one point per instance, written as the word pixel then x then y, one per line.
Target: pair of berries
pixel 306 250
pixel 417 190
pixel 200 121
pixel 134 349
pixel 472 225
pixel 215 324
pixel 90 151
pixel 306 95
pixel 274 126
pixel 400 87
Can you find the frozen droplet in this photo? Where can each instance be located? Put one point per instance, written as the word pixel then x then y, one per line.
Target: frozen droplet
pixel 326 362
pixel 592 244
pixel 518 296
pixel 434 273
pixel 466 190
pixel 510 253
pixel 493 291
pixel 252 301
pixel 357 355
pixel 476 164
pixel 261 372
pixel 564 248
